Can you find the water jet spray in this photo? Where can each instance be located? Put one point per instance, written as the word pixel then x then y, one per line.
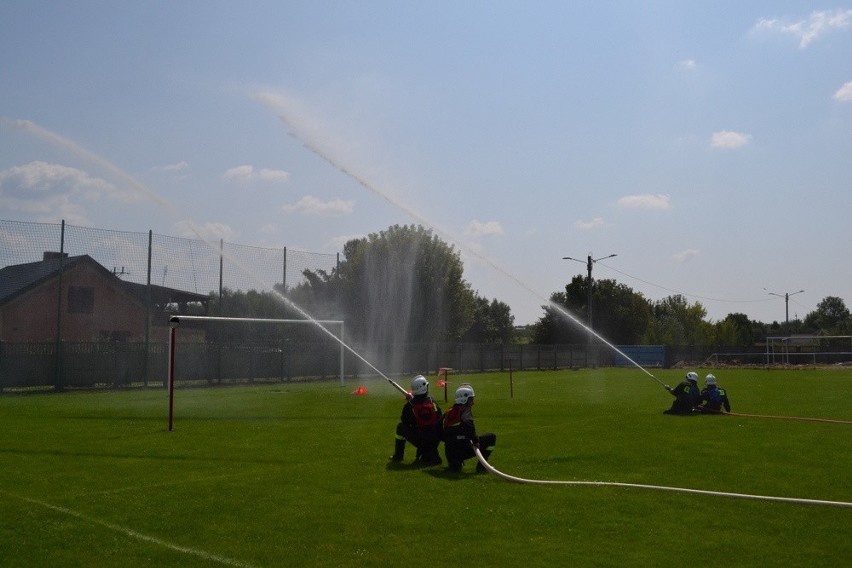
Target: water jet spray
pixel 282 107
pixel 57 140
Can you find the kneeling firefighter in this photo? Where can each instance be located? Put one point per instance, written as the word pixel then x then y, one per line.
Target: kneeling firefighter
pixel 419 424
pixel 460 436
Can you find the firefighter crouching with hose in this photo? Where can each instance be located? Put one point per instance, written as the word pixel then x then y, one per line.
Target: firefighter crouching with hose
pixel 687 395
pixel 713 397
pixel 460 436
pixel 420 425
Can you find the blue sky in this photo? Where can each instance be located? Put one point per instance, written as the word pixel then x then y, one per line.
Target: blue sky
pixel 707 144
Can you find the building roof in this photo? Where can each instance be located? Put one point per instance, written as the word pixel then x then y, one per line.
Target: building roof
pixel 160 295
pixel 20 278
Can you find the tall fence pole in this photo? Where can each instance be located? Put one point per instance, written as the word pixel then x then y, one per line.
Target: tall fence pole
pixel 57 383
pixel 342 353
pixel 221 275
pixel 147 349
pixel 172 331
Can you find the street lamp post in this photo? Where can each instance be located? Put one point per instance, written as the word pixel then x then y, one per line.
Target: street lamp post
pixel 589 262
pixel 786 297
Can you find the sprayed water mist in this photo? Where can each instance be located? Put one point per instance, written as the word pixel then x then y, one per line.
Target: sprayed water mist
pixel 54 139
pixel 61 142
pixel 301 129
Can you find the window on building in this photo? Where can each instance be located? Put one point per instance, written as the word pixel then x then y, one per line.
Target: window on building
pixel 81 300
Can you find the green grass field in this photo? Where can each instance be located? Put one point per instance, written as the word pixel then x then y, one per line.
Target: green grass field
pixel 297 475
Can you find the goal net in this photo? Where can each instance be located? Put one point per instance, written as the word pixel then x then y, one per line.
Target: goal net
pixel 809 349
pixel 214 350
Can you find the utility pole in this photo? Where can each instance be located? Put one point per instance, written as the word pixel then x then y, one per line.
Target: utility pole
pixel 589 263
pixel 786 297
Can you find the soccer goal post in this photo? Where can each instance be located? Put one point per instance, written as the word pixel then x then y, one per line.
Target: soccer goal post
pixel 176 321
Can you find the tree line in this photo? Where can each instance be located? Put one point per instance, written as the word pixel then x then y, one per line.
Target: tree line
pixel 625 317
pixel 405 285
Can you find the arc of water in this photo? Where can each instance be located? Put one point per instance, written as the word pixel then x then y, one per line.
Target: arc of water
pixel 283 109
pixel 57 140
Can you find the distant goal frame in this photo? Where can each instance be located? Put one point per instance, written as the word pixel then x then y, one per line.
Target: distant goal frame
pixel 176 320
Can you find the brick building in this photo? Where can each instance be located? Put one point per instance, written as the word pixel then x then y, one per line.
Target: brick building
pixel 96 304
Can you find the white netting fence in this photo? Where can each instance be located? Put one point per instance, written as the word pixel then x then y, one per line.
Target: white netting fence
pixel 76 340
pixel 191 265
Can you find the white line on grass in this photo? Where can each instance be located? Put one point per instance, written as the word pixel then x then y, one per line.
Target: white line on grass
pixel 134 534
pixel 508 477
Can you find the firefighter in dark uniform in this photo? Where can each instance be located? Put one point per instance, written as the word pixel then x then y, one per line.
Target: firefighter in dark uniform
pixel 713 397
pixel 686 393
pixel 419 424
pixel 460 433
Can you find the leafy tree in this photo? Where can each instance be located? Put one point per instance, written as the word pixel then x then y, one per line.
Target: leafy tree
pixel 253 304
pixel 557 325
pixel 677 322
pixel 548 329
pixel 401 285
pixel 831 317
pixel 736 330
pixel 619 314
pixel 493 322
pixel 318 295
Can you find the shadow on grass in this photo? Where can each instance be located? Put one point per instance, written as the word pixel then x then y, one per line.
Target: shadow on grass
pixel 436 471
pixel 411 466
pixel 446 473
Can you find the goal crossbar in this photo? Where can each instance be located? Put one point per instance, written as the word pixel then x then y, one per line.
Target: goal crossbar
pixel 176 320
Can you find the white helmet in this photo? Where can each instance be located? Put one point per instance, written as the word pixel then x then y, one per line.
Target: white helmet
pixel 464 393
pixel 710 379
pixel 692 376
pixel 419 385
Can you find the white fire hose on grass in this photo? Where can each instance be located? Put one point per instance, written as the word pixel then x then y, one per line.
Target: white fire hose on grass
pixel 508 477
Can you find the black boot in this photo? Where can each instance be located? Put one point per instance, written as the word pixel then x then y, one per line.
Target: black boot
pixel 432 458
pixel 479 467
pixel 399 451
